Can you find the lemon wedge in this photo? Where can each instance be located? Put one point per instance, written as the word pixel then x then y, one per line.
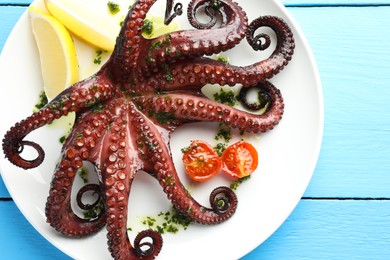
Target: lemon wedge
pixel 86 22
pixel 59 65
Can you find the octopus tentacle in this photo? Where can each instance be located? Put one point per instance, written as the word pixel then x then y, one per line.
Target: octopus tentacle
pixel 165 172
pixel 211 8
pixel 152 249
pixel 200 71
pixel 58 211
pixel 81 95
pixel 284 48
pixel 79 146
pixel 199 108
pixel 169 15
pixel 195 43
pixel 130 41
pixel 117 163
pixel 89 187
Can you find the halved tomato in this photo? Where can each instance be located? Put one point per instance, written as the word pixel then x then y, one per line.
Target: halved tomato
pixel 201 161
pixel 239 159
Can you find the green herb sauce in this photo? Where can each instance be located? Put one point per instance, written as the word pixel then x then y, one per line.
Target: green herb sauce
pixel 224 133
pixel 164 117
pixel 168 222
pixel 219 148
pixel 234 185
pixel 83 173
pixel 98 58
pixel 147 28
pixel 42 100
pixel 226 97
pixel 113 7
pixel 95 211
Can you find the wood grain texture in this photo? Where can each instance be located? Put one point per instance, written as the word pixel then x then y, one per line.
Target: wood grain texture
pixel 354 64
pixel 331 230
pixel 9 15
pixel 19 240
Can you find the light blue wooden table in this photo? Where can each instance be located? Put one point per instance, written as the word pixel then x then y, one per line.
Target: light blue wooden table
pixel 345 212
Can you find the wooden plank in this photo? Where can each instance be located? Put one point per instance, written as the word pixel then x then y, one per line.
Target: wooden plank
pixel 9 15
pixel 3 190
pixel 353 61
pixel 316 230
pixel 331 230
pixel 20 240
pixel 15 2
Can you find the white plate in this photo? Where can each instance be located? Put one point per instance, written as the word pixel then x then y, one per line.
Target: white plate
pixel 288 154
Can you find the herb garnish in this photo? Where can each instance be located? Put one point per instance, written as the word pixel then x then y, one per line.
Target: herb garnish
pixel 42 100
pixel 226 97
pixel 147 28
pixel 170 221
pixel 113 7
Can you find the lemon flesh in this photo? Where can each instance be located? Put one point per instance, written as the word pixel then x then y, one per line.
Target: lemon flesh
pixel 86 22
pixel 59 66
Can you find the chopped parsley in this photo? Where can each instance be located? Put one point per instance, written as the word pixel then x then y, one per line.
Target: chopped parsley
pixel 95 211
pixel 219 148
pixel 63 139
pixel 98 59
pixel 226 97
pixel 42 100
pixel 234 185
pixel 224 132
pixel 164 117
pixel 113 7
pixel 223 59
pixel 168 222
pixel 83 173
pixel 216 4
pixel 147 28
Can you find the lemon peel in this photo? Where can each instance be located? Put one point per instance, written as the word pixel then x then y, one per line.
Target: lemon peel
pixel 59 65
pixel 86 22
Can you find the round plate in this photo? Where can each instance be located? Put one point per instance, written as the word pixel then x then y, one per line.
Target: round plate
pixel 287 154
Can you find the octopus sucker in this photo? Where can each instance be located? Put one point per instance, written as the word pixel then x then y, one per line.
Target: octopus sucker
pixel 126 112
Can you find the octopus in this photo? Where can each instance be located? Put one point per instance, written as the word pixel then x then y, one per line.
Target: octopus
pixel 126 112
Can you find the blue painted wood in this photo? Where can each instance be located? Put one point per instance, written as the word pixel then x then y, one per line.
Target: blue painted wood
pixel 3 190
pixel 19 240
pixel 9 15
pixel 331 230
pixel 354 64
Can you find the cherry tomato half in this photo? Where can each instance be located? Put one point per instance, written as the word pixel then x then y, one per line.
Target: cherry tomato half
pixel 201 161
pixel 239 159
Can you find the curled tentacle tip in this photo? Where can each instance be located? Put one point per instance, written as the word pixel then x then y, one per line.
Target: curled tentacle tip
pixel 148 249
pixel 223 201
pixel 177 11
pixel 95 188
pixel 263 96
pixel 13 148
